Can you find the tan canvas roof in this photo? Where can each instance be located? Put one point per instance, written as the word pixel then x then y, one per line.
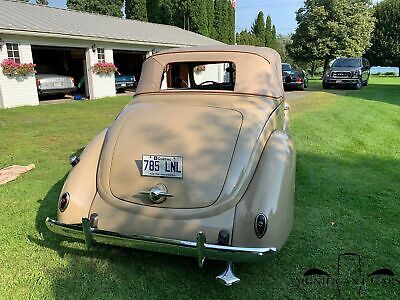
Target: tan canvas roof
pixel 258 69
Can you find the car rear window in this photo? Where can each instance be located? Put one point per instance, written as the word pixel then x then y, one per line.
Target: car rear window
pixel 286 67
pixel 199 76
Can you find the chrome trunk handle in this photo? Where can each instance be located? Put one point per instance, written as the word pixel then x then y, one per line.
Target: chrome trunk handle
pixel 158 193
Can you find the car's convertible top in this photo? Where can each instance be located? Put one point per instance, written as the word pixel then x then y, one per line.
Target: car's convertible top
pixel 258 76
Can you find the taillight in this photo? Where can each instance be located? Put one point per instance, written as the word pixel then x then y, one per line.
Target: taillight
pixel 64 201
pixel 299 80
pixel 260 225
pixel 37 82
pixel 72 80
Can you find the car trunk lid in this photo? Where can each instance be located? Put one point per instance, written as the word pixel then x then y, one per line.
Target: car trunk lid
pixel 204 136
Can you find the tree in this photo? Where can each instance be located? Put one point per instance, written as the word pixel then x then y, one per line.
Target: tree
pixel 42 2
pixel 136 10
pixel 331 28
pixel 224 21
pixel 262 34
pixel 167 13
pixel 103 7
pixel 210 18
pixel 258 26
pixel 273 41
pixel 153 11
pixel 246 38
pixel 269 35
pixel 385 49
pixel 199 17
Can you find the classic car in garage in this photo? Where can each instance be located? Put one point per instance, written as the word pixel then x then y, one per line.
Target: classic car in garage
pixel 124 82
pixel 53 84
pixel 200 164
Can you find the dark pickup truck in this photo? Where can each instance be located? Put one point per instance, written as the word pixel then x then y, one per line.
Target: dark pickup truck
pixel 353 72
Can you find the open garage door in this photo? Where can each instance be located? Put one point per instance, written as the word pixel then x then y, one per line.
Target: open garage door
pixel 60 71
pixel 129 66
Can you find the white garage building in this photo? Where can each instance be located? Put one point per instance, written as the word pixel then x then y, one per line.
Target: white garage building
pixel 71 42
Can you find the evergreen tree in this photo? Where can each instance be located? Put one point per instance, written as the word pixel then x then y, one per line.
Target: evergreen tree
pixel 153 11
pixel 268 33
pixel 103 7
pixel 274 38
pixel 385 49
pixel 220 21
pixel 258 30
pixel 42 2
pixel 224 21
pixel 246 38
pixel 210 18
pixel 199 17
pixel 258 26
pixel 231 23
pixel 167 13
pixel 136 10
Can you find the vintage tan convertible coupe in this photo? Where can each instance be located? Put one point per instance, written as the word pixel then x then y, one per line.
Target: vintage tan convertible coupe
pixel 199 164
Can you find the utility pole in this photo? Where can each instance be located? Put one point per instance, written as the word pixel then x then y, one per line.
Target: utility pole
pixel 233 2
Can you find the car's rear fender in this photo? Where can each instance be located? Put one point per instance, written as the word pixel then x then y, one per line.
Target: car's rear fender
pixel 270 193
pixel 81 183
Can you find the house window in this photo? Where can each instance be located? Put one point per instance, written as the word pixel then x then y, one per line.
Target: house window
pixel 13 52
pixel 100 55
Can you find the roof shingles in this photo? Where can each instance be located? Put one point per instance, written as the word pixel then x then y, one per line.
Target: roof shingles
pixel 19 16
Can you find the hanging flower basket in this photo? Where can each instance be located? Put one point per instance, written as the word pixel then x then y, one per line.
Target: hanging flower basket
pixel 104 68
pixel 11 68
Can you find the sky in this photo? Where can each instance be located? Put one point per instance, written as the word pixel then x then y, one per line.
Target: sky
pixel 282 12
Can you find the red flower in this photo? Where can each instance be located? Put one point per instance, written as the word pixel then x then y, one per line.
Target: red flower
pixel 12 68
pixel 104 68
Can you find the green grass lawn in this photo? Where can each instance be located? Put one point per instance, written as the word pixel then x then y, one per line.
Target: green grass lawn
pixel 347 200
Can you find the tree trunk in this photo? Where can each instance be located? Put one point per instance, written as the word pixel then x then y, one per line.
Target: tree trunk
pixel 313 69
pixel 326 64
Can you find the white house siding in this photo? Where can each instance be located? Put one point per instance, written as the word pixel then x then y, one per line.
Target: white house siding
pixel 100 85
pixel 212 72
pixel 17 91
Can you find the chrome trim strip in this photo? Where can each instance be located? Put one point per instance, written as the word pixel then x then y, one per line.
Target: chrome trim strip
pixel 198 249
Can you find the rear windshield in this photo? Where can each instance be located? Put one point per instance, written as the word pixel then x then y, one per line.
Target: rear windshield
pixel 199 76
pixel 286 67
pixel 347 62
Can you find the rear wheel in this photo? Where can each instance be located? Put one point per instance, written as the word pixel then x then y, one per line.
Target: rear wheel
pixel 302 86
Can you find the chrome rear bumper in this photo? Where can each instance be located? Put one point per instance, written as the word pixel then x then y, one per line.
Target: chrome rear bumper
pixel 199 249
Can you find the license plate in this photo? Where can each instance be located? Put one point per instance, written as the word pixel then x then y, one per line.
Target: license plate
pixel 162 166
pixel 58 85
pixel 339 81
pixel 123 84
